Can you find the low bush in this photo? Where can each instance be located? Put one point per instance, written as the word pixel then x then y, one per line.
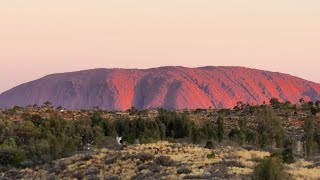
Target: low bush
pixel 142 167
pixel 164 161
pixel 144 157
pixel 112 178
pixel 234 163
pixel 184 170
pixel 51 176
pixel 142 176
pixel 10 156
pixel 194 177
pixel 87 157
pixel 93 177
pixel 91 171
pixel 13 174
pixel 220 171
pixel 270 168
pixel 78 174
pixel 58 167
pixel 154 167
pixel 212 155
pixel 209 145
pixel 125 157
pixel 27 163
pixel 287 156
pixel 111 160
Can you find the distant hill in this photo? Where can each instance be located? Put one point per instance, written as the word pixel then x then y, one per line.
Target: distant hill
pixel 166 87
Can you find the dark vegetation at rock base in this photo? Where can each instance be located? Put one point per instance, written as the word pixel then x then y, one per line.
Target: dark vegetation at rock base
pixel 30 137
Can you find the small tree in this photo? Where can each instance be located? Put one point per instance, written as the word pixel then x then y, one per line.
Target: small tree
pixel 242 123
pixel 275 103
pixel 270 128
pixel 270 168
pixel 47 104
pixel 10 154
pixel 308 127
pixel 287 104
pixel 220 128
pixel 27 132
pixel 96 118
pixel 98 136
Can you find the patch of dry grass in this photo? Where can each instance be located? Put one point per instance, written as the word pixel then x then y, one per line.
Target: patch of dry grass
pixel 299 170
pixel 141 162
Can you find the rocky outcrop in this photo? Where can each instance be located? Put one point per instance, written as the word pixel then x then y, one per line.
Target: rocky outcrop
pixel 166 87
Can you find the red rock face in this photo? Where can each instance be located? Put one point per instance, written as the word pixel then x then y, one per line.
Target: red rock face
pixel 166 87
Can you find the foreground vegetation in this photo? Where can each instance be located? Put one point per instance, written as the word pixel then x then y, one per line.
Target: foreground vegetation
pixel 34 137
pixel 163 160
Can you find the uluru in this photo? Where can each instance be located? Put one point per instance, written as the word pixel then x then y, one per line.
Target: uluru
pixel 163 87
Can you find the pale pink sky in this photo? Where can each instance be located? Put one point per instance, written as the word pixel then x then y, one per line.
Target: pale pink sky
pixel 40 37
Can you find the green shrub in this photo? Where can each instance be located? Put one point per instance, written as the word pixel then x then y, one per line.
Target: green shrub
pixel 220 128
pixel 127 139
pixel 309 131
pixel 270 128
pixel 209 145
pixel 10 143
pixel 212 155
pixel 10 156
pixel 287 156
pixel 270 168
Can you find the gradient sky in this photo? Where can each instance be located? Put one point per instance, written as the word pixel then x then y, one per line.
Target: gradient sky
pixel 40 37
